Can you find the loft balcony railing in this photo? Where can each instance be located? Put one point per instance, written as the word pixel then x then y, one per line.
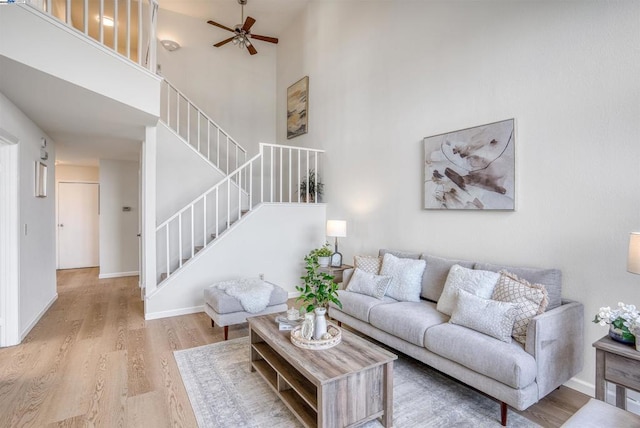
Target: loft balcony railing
pixel 127 27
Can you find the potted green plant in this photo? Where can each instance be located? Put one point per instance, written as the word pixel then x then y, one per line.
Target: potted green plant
pixel 322 254
pixel 318 288
pixel 314 188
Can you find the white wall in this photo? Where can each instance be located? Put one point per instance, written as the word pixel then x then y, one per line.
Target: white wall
pixel 100 68
pixel 235 89
pixel 400 71
pixel 37 271
pixel 182 174
pixel 77 173
pixel 271 240
pixel 118 228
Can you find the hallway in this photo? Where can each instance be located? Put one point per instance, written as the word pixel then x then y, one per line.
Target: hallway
pixel 93 360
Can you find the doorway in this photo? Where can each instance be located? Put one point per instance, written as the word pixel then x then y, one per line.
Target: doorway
pixel 78 225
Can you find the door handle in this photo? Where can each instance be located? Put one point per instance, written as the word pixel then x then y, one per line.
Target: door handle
pixel 61 225
pixel 139 235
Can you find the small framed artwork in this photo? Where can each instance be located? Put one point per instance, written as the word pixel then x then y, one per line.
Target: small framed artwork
pixel 297 108
pixel 471 169
pixel 41 180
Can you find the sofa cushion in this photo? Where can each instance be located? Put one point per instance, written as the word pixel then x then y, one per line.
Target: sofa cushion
pixel 486 316
pixel 530 300
pixel 505 362
pixel 435 275
pixel 222 303
pixel 550 278
pixel 407 320
pixel 399 254
pixel 370 264
pixel 359 305
pixel 478 282
pixel 368 283
pixel 406 277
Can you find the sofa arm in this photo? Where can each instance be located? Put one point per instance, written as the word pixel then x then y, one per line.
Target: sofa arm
pixel 556 341
pixel 346 277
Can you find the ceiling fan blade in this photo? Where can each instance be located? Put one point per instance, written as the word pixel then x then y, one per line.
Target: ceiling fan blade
pixel 224 42
pixel 248 23
pixel 252 50
pixel 220 26
pixel 264 38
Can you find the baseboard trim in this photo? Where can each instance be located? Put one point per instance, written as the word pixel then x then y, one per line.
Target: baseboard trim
pixel 581 386
pixel 293 294
pixel 118 274
pixel 38 317
pixel 173 313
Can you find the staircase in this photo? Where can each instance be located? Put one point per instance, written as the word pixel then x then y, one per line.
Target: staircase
pixel 276 175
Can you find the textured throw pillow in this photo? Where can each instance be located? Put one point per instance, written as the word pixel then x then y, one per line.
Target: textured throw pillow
pixel 490 317
pixel 406 277
pixel 371 264
pixel 367 283
pixel 530 300
pixel 478 282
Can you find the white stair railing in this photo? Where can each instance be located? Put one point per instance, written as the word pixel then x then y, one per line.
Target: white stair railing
pixel 199 130
pixel 126 26
pixel 277 174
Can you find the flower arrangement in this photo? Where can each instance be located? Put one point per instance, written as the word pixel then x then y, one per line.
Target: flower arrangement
pixel 625 318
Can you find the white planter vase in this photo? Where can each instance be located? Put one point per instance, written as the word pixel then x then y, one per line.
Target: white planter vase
pixel 320 323
pixel 324 261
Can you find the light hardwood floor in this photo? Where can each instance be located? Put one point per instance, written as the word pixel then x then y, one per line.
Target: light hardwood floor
pixel 93 360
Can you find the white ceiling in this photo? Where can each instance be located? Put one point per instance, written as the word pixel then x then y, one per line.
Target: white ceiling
pixel 272 16
pixel 86 126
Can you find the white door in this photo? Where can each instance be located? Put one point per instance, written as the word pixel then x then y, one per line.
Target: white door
pixel 78 205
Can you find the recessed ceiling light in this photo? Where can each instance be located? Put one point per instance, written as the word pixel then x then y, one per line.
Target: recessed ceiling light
pixel 106 21
pixel 170 45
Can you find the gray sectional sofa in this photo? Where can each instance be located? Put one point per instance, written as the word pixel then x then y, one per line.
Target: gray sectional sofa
pixel 516 375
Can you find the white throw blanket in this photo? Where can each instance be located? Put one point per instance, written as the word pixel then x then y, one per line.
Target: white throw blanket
pixel 253 293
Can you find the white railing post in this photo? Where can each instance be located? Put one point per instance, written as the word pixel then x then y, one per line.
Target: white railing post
pixel 85 17
pixel 129 30
pixel 180 240
pixel 228 203
pixel 317 183
pixel 168 252
pixel 261 173
pixel 115 25
pixel 280 169
pixel 204 221
pixel 101 23
pixel 308 178
pixel 217 213
pixel 290 168
pixel 298 187
pixel 250 192
pixel 140 47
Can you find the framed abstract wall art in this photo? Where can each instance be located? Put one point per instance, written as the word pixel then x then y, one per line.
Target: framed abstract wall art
pixel 297 108
pixel 471 169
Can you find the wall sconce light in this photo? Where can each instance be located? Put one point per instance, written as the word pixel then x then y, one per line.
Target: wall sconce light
pixel 170 45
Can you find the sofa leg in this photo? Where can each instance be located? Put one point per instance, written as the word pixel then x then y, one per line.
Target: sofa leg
pixel 226 332
pixel 212 324
pixel 503 413
pixel 339 323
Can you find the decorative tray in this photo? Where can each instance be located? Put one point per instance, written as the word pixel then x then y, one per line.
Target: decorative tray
pixel 283 319
pixel 301 342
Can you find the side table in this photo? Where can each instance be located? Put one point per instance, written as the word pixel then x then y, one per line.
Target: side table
pixel 617 363
pixel 335 271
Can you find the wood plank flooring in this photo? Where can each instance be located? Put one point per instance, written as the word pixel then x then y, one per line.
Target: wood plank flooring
pixel 93 361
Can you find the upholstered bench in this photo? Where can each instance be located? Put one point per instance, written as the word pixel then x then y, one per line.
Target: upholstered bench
pixel 226 310
pixel 597 414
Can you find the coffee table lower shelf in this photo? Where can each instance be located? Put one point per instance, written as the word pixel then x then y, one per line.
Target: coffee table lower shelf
pixel 319 393
pixel 294 390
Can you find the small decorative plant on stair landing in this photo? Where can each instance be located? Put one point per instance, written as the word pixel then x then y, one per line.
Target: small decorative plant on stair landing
pixel 318 288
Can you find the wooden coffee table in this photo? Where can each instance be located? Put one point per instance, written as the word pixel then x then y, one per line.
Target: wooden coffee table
pixel 346 385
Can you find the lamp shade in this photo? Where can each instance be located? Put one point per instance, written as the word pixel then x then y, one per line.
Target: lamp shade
pixel 337 228
pixel 633 261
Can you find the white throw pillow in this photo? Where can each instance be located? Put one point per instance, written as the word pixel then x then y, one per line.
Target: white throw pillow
pixel 478 282
pixel 490 317
pixel 367 283
pixel 406 277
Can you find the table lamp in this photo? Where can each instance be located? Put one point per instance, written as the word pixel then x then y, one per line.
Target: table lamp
pixel 633 260
pixel 337 229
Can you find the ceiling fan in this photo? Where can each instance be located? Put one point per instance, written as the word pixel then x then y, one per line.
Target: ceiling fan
pixel 243 33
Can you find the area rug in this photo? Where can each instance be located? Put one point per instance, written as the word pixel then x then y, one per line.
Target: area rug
pixel 224 393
